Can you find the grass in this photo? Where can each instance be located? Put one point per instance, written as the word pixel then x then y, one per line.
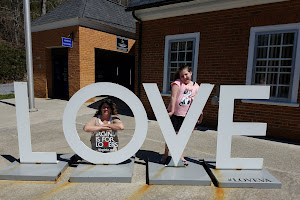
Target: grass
pixel 7 96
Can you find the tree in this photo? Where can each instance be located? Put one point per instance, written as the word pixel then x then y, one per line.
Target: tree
pixel 43 7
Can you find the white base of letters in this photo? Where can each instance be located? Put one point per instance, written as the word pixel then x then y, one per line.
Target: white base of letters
pixel 120 173
pixel 251 178
pixel 193 174
pixel 35 172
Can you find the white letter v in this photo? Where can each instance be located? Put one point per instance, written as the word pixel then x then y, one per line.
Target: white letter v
pixel 177 143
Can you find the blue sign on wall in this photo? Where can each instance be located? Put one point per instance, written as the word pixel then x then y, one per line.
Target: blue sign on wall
pixel 67 42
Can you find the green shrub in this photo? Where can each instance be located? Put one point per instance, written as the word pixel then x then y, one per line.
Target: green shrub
pixel 7 96
pixel 12 63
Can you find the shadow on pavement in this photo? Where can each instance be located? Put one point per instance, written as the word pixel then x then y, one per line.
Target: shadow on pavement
pixel 275 140
pixel 10 158
pixel 11 104
pixel 148 156
pixel 122 107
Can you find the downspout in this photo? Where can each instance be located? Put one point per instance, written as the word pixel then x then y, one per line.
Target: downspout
pixel 139 54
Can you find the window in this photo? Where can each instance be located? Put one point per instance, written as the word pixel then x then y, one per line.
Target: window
pixel 180 50
pixel 272 60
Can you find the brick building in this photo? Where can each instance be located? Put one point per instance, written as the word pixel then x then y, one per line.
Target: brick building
pixel 103 36
pixel 233 42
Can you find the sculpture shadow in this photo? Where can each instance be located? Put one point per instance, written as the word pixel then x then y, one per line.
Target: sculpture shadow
pixel 122 107
pixel 204 128
pixel 275 140
pixel 10 158
pixel 59 157
pixel 11 104
pixel 76 160
pixel 148 156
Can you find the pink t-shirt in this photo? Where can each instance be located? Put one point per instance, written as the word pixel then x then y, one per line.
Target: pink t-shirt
pixel 185 97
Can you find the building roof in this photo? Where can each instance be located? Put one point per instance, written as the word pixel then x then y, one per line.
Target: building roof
pixel 101 11
pixel 143 4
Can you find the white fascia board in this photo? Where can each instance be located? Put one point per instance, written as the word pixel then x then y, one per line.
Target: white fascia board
pixel 195 7
pixel 55 25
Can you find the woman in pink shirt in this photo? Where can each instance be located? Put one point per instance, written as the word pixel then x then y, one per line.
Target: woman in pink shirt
pixel 183 92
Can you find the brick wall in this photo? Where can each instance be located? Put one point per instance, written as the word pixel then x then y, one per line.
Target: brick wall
pixel 89 40
pixel 81 58
pixel 223 55
pixel 42 42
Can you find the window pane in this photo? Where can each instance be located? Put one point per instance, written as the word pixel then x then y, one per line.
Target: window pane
pixel 275 39
pixel 286 62
pixel 260 78
pixel 261 63
pixel 189 64
pixel 287 52
pixel 173 56
pixel 285 69
pixel 273 63
pixel 189 45
pixel 181 53
pixel 263 40
pixel 172 77
pixel 174 65
pixel 189 56
pixel 273 91
pixel 182 46
pixel 181 64
pixel 274 52
pixel 260 69
pixel 262 52
pixel 273 69
pixel 283 91
pixel 284 79
pixel 271 78
pixel 181 56
pixel 173 69
pixel 288 38
pixel 174 46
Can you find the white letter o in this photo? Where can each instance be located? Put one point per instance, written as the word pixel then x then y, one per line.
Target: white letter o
pixel 105 88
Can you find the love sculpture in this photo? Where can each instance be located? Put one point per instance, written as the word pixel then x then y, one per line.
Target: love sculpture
pixel 176 142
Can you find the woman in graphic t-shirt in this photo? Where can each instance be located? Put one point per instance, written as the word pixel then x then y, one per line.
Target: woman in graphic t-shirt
pixel 104 127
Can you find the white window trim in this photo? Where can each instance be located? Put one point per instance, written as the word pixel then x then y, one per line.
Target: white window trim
pixel 281 27
pixel 196 36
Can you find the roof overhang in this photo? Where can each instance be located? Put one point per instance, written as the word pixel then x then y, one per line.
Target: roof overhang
pixel 82 22
pixel 194 7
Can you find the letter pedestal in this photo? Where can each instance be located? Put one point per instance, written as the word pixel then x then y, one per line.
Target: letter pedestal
pixel 36 172
pixel 120 173
pixel 193 174
pixel 252 178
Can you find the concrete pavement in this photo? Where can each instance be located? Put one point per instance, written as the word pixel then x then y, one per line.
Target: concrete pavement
pixel 7 88
pixel 282 160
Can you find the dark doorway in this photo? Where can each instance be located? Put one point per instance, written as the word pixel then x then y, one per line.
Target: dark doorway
pixel 114 67
pixel 60 86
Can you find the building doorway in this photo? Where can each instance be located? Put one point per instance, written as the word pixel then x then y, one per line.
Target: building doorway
pixel 60 86
pixel 115 67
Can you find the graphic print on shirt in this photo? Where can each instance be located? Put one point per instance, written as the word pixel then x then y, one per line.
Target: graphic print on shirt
pixel 105 141
pixel 186 98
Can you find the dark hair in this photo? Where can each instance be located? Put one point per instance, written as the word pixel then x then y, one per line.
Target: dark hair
pixel 177 76
pixel 110 103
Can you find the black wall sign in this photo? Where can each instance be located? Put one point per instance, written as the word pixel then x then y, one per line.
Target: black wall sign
pixel 122 44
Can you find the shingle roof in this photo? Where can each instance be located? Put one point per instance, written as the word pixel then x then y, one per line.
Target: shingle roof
pixel 143 4
pixel 102 11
